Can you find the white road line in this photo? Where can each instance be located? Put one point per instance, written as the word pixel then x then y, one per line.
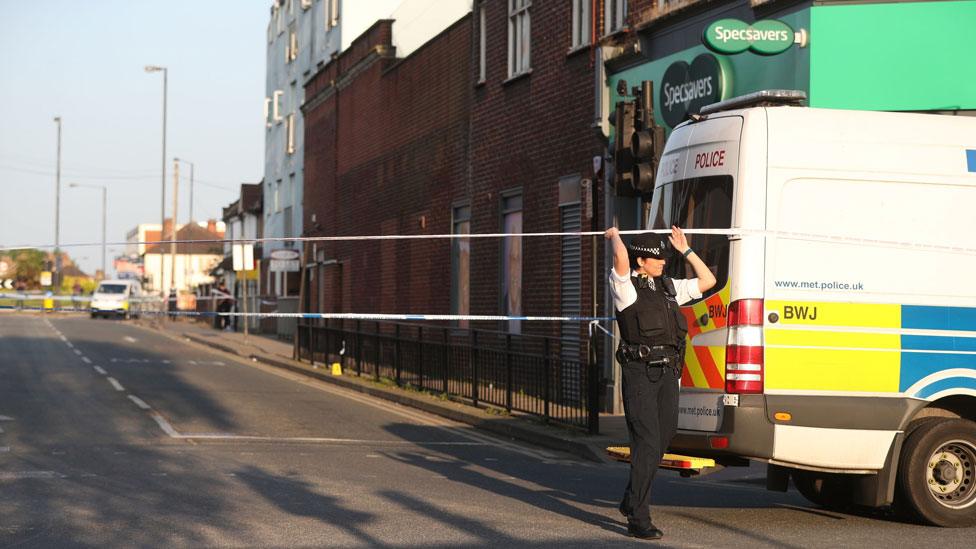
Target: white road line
pixel 4 449
pixel 6 418
pixel 113 360
pixel 17 475
pixel 192 362
pixel 139 402
pixel 100 370
pixel 86 359
pixel 116 384
pixel 166 362
pixel 77 352
pixel 1 430
pixel 164 425
pixel 130 339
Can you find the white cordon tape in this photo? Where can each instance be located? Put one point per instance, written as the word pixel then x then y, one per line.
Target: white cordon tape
pixel 731 233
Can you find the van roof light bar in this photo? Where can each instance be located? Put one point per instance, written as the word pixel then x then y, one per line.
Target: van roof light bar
pixel 763 98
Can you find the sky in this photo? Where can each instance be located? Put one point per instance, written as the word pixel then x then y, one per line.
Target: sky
pixel 84 61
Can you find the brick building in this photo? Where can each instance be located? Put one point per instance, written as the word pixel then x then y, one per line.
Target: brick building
pixel 386 147
pixel 494 125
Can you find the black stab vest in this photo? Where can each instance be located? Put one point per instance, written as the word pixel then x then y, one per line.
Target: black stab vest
pixel 654 319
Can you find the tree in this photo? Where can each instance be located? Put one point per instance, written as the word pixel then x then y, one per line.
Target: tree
pixel 28 264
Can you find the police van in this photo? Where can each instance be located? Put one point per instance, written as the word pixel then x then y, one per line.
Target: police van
pixel 839 345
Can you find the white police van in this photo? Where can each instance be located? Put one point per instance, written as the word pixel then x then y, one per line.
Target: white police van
pixel 118 298
pixel 839 345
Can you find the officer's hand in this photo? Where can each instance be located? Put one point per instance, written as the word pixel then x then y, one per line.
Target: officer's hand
pixel 678 239
pixel 612 233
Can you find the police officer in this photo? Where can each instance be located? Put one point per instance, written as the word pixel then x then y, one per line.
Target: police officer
pixel 653 331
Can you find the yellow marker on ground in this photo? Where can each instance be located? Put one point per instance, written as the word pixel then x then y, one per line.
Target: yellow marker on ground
pixel 674 462
pixel 336 369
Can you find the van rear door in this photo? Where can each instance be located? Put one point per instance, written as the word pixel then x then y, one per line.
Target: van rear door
pixel 694 189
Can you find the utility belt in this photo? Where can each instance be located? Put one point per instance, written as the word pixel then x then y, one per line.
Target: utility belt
pixel 651 355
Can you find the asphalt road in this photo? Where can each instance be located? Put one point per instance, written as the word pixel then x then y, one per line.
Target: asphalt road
pixel 114 435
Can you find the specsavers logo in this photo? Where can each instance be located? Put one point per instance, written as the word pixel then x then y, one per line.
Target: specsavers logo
pixel 685 87
pixel 766 37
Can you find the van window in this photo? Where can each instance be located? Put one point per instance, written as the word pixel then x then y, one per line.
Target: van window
pixel 111 289
pixel 698 203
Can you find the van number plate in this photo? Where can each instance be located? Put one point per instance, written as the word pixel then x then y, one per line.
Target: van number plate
pixel 730 400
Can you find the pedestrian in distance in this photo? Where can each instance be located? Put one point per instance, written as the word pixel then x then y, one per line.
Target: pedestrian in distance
pixel 651 355
pixel 224 304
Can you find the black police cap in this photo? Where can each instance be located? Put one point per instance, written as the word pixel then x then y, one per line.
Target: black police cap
pixel 649 245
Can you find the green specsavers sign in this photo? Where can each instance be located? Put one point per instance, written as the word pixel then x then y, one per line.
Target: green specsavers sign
pixel 766 37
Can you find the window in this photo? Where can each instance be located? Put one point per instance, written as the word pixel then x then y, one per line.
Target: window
pixel 277 196
pixel 267 111
pixel 581 23
pixel 698 203
pixel 614 13
pixel 291 50
pixel 332 13
pixel 290 137
pixel 276 105
pixel 306 4
pixel 511 283
pixel 461 264
pixel 519 33
pixel 482 45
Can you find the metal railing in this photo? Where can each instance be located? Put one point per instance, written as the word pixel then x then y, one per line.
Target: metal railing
pixel 521 373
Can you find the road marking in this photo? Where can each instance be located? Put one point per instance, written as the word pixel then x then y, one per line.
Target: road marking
pixel 164 425
pixel 166 362
pixel 6 418
pixel 218 363
pixel 113 360
pixel 4 449
pixel 77 352
pixel 130 339
pixel 1 430
pixel 100 370
pixel 86 359
pixel 116 384
pixel 139 402
pixel 17 475
pixel 193 362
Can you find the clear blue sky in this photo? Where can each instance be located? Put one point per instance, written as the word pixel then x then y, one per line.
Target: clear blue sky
pixel 83 61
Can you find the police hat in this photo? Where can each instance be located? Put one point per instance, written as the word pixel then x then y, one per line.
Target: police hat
pixel 649 245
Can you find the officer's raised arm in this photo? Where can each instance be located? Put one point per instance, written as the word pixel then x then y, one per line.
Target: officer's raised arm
pixel 705 277
pixel 621 261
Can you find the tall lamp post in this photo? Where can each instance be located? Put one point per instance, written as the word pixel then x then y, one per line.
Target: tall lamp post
pixel 56 279
pixel 162 202
pixel 185 161
pixel 104 216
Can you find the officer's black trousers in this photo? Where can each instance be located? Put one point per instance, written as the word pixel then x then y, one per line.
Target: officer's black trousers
pixel 651 406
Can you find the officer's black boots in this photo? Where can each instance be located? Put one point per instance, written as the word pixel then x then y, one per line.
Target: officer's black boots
pixel 644 532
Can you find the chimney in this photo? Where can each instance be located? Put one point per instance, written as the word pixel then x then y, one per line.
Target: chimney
pixel 167 229
pixel 212 226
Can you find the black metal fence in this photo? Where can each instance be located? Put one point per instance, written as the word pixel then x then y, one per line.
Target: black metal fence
pixel 522 373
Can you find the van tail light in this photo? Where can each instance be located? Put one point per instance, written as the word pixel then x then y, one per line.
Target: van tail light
pixel 744 349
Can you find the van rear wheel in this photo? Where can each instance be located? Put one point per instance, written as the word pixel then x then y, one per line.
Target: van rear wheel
pixel 937 472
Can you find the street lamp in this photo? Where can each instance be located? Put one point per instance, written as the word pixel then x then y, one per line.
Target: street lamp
pixel 191 184
pixel 104 215
pixel 55 280
pixel 162 203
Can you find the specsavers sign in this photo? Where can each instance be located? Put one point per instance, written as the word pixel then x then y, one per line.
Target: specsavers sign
pixel 686 88
pixel 766 37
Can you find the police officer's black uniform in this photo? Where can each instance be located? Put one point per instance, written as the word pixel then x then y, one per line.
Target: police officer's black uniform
pixel 653 332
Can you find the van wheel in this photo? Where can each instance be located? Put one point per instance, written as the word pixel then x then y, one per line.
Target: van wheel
pixel 937 472
pixel 824 489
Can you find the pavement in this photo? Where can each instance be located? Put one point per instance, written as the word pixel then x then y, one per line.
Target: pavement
pixel 278 353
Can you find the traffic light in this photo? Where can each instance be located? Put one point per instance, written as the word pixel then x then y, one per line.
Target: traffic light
pixel 638 142
pixel 646 148
pixel 647 143
pixel 623 159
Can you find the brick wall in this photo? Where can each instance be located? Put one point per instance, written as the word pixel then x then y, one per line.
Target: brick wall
pixel 391 145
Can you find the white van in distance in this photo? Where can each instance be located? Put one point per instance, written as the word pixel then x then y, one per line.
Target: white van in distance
pixel 839 344
pixel 120 298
